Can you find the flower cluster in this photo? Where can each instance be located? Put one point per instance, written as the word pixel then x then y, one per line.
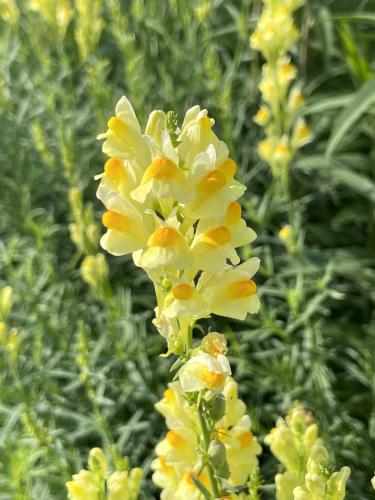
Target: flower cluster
pixel 279 114
pixel 171 202
pixel 209 432
pixel 295 443
pixel 98 484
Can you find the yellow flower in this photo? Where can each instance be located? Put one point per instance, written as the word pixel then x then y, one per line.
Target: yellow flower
pixel 263 116
pixel 301 134
pixel 164 179
pixel 214 343
pixel 211 181
pixel 296 431
pixel 175 408
pixel 275 32
pixel 166 247
pixel 94 270
pixel 203 371
pixel 127 230
pixel 124 485
pixel 184 300
pixel 295 100
pixel 212 247
pixel 120 176
pixel 242 450
pixel 123 137
pixel 6 301
pixel 316 482
pixel 156 127
pixel 276 80
pixel 232 292
pixel 196 135
pixel 234 407
pixel 84 486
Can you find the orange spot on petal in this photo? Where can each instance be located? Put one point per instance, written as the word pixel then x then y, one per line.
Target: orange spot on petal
pixel 165 237
pixel 114 220
pixel 183 292
pixel 217 237
pixel 242 289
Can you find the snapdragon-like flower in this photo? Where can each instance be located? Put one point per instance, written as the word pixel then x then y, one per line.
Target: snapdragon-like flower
pixel 173 205
pixel 308 476
pixel 171 201
pixel 99 484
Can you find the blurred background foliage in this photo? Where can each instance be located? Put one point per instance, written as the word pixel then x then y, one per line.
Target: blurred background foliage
pixel 79 363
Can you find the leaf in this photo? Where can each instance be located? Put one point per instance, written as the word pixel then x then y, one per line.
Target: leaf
pixel 201 488
pixel 357 106
pixel 357 182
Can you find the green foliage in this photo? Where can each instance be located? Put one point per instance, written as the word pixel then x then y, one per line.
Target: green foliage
pixel 87 372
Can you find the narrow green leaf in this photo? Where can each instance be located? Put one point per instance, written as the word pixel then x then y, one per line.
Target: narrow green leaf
pixel 357 106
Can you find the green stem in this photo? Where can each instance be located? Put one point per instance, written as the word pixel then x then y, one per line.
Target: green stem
pixel 206 441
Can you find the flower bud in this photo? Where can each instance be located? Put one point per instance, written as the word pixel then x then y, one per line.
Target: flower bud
pixel 214 343
pixel 97 461
pixel 315 484
pixel 336 485
pixel 217 453
pixel 6 301
pixel 215 405
pixel 94 270
pixel 224 471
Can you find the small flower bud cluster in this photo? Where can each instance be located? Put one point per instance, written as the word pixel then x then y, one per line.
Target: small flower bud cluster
pixel 171 202
pixel 308 476
pixel 97 483
pixel 84 233
pixel 279 114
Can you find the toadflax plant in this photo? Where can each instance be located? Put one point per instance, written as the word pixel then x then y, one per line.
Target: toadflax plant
pixel 172 202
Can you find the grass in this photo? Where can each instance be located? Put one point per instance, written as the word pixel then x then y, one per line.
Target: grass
pixel 87 371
